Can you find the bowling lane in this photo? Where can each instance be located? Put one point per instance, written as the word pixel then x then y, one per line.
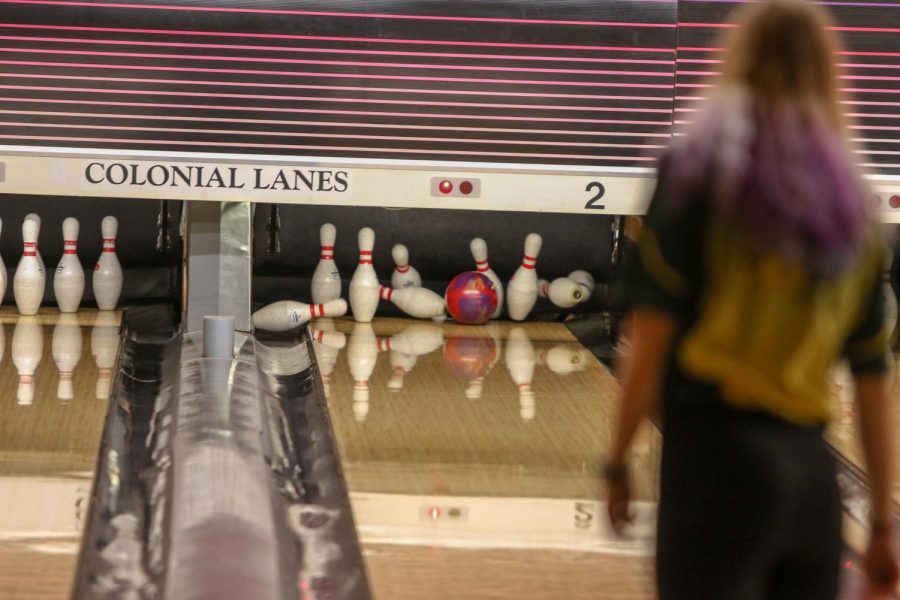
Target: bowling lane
pixel 49 439
pixel 470 453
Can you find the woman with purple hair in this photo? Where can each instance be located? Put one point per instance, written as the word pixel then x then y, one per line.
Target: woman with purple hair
pixel 758 267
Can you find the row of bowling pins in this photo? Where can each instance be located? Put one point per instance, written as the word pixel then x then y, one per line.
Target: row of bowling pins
pixel 405 348
pixel 28 349
pixel 68 280
pixel 406 291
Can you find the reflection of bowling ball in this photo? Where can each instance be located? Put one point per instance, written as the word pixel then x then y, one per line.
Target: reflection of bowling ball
pixel 469 358
pixel 471 298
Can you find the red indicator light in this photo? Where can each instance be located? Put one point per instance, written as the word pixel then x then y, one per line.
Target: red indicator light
pixel 466 187
pixel 894 201
pixel 445 187
pixel 435 513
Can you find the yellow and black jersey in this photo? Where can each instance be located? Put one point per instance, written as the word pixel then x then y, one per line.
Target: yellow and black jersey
pixel 759 330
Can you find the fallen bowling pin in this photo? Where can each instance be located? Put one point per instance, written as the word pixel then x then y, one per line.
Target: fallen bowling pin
pixel 521 294
pixel 585 280
pixel 287 314
pixel 562 291
pixel 404 276
pixel 418 340
pixel 563 359
pixel 416 302
pixel 326 280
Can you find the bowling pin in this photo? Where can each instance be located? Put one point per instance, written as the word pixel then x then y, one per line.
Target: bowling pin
pixel 27 349
pixel 364 283
pixel 327 345
pixel 107 280
pixel 521 294
pixel 480 253
pixel 37 248
pixel 326 281
pixel 104 348
pixel 562 291
pixel 563 359
pixel 418 339
pixel 415 301
pixel 520 360
pixel 401 365
pixel 66 346
pixel 362 355
pixel 68 281
pixel 29 280
pixel 586 281
pixel 287 314
pixel 404 275
pixel 3 275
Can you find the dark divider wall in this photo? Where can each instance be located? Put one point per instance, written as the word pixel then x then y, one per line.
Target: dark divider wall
pixel 438 242
pixel 150 275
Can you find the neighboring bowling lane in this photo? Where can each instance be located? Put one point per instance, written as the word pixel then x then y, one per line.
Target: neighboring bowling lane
pixel 48 447
pixel 470 455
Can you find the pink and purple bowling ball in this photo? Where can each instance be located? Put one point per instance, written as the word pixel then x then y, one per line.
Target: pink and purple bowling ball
pixel 471 298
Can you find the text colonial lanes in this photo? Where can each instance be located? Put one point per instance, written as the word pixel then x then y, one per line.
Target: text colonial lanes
pixel 172 175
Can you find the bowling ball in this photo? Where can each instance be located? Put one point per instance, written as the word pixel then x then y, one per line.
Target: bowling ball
pixel 469 358
pixel 471 298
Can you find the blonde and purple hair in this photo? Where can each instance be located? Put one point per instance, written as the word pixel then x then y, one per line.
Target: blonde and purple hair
pixel 771 139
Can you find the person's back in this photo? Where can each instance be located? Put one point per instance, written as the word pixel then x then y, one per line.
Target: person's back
pixel 758 266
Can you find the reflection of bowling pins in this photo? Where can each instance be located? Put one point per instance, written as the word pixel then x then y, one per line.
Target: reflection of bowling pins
pixel 104 346
pixel 521 294
pixel 401 365
pixel 417 339
pixel 415 301
pixel 107 279
pixel 27 348
pixel 287 314
pixel 562 291
pixel 480 253
pixel 565 358
pixel 66 353
pixel 520 359
pixel 326 280
pixel 364 283
pixel 586 281
pixel 327 344
pixel 404 275
pixel 68 280
pixel 29 280
pixel 362 354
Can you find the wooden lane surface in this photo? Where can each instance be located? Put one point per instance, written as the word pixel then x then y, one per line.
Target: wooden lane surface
pixel 48 452
pixel 459 497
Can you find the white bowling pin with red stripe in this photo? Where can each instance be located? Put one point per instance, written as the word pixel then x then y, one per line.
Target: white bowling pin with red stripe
pixel 415 301
pixel 404 276
pixel 364 283
pixel 37 248
pixel 68 280
pixel 480 253
pixel 107 279
pixel 29 280
pixel 326 280
pixel 521 294
pixel 287 314
pixel 562 291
